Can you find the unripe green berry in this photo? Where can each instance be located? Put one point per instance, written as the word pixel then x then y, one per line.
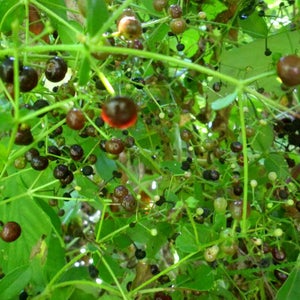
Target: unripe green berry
pixel 272 176
pixel 253 183
pixel 278 232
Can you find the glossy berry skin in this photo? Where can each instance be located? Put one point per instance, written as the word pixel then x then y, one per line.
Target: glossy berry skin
pixel 56 69
pixel 31 153
pixel 278 254
pixel 140 254
pixel 120 191
pixel 39 163
pixel 178 25
pixel 129 203
pixel 281 276
pixel 288 70
pixel 236 147
pixel 120 112
pixel 87 170
pixel 68 179
pixel 175 11
pixel 23 137
pixel 75 119
pixel 159 5
pixel 114 146
pixel 161 296
pixel 10 231
pixel 76 152
pixel 7 70
pixel 28 79
pixel 60 171
pixel 130 27
pixel 39 104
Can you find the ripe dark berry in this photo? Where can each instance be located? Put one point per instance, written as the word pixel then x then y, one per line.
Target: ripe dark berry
pixel 185 165
pixel 39 104
pixel 175 11
pixel 180 47
pixel 178 25
pixel 28 79
pixel 23 136
pixel 236 147
pixel 114 146
pixel 75 119
pixel 119 112
pixel 87 170
pixel 159 5
pixel 130 27
pixel 116 174
pixel 268 52
pixel 76 152
pixel 31 153
pixel 93 271
pixel 68 179
pixel 140 254
pixel 217 86
pixel 211 175
pixel 39 163
pixel 278 254
pixel 10 231
pixel 162 296
pixel 154 269
pixel 120 192
pixel 281 276
pixel 129 203
pixel 288 69
pixel 60 171
pixel 186 135
pixel 7 70
pixel 56 69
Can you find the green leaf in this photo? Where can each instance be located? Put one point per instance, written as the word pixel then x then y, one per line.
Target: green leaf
pixel 186 242
pixel 290 289
pixel 14 281
pixel 276 163
pixel 263 140
pixel 6 121
pixel 212 8
pixel 84 71
pixel 188 39
pixel 105 166
pixel 199 279
pixel 97 15
pixel 224 102
pixel 9 12
pixel 255 26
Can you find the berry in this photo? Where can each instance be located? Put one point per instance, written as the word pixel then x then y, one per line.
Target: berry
pixel 10 231
pixel 236 147
pixel 60 171
pixel 288 69
pixel 236 209
pixel 39 163
pixel 220 204
pixel 129 203
pixel 278 254
pixel 140 254
pixel 23 136
pixel 120 191
pixel 175 11
pixel 178 25
pixel 31 153
pixel 186 135
pixel 161 296
pixel 210 254
pixel 154 269
pixel 76 152
pixel 130 27
pixel 7 70
pixel 114 146
pixel 75 119
pixel 159 5
pixel 52 152
pixel 39 104
pixel 212 175
pixel 268 52
pixel 68 179
pixel 93 271
pixel 217 86
pixel 180 47
pixel 119 112
pixel 56 69
pixel 281 276
pixel 28 79
pixel 87 170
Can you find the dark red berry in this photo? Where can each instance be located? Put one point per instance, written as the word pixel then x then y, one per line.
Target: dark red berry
pixel 281 276
pixel 68 179
pixel 120 191
pixel 129 203
pixel 31 153
pixel 60 171
pixel 7 70
pixel 288 69
pixel 75 119
pixel 39 163
pixel 130 27
pixel 76 152
pixel 114 146
pixel 120 112
pixel 175 11
pixel 10 231
pixel 28 79
pixel 159 5
pixel 161 296
pixel 56 69
pixel 39 104
pixel 23 136
pixel 278 254
pixel 236 147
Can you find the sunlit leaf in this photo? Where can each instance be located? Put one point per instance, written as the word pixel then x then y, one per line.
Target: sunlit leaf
pixel 223 102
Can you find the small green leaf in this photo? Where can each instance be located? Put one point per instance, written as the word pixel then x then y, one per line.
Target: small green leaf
pixel 97 15
pixel 255 26
pixel 186 242
pixel 263 140
pixel 276 163
pixel 212 8
pixel 84 71
pixel 14 282
pixel 224 102
pixel 9 12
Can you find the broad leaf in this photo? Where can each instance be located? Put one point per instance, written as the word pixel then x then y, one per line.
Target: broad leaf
pixel 224 102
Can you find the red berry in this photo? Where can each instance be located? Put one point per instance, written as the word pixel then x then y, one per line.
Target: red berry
pixel 175 11
pixel 119 112
pixel 178 25
pixel 288 69
pixel 75 119
pixel 159 5
pixel 130 27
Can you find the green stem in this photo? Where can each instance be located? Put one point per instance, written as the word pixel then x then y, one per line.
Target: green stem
pixel 245 155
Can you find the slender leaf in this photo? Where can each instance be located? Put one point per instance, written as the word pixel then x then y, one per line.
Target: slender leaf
pixel 224 102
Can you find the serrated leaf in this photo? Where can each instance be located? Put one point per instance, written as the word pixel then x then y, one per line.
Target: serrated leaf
pixel 186 242
pixel 224 102
pixel 276 163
